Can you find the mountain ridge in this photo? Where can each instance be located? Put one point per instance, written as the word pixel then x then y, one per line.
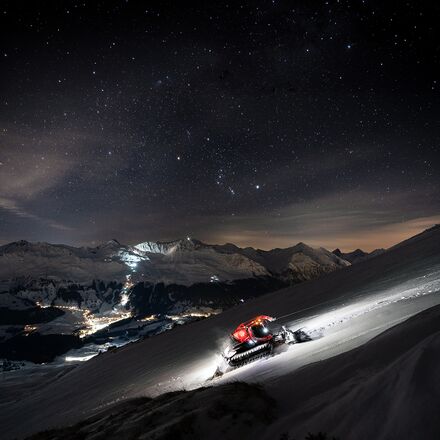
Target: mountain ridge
pixel 357 255
pixel 182 261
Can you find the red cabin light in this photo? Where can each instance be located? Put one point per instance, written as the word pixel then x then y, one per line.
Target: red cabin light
pixel 241 335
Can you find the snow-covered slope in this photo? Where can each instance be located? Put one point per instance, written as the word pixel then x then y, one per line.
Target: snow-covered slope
pixel 297 263
pixel 345 308
pixel 189 261
pixel 387 389
pixel 233 411
pixel 110 261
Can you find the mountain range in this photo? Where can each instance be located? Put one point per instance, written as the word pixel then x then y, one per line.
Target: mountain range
pixel 151 276
pixel 185 262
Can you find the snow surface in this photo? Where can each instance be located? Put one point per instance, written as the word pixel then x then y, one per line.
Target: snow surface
pixel 232 411
pixel 386 389
pixel 344 310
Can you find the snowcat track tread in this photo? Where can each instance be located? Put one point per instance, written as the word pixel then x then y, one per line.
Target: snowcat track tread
pixel 250 356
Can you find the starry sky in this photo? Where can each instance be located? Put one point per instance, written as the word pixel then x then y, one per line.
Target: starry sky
pixel 262 123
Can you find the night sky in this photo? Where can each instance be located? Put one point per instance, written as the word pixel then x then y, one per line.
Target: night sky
pixel 262 123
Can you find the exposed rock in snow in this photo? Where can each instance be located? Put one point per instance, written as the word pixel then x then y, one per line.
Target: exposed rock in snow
pixel 170 247
pixel 14 302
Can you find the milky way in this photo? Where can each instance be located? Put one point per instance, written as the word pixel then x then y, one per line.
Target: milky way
pixel 263 123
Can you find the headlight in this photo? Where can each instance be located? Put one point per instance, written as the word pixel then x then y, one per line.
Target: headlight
pixel 228 352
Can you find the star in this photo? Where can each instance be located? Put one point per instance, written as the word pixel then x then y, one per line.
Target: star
pixel 268 103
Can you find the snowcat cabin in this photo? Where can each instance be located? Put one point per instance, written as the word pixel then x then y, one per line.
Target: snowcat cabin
pixel 254 329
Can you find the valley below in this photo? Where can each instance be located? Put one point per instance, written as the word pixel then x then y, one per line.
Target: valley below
pixel 55 309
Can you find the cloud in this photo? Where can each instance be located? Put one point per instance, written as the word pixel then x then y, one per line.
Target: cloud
pixel 344 220
pixel 13 208
pixel 347 220
pixel 28 169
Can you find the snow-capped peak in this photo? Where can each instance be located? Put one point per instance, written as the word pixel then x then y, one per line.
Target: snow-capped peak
pixel 169 247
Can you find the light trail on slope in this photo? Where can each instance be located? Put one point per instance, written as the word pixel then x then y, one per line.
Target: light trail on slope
pixel 334 330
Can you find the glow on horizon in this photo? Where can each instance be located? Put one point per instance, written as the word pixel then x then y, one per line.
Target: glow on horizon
pixel 365 239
